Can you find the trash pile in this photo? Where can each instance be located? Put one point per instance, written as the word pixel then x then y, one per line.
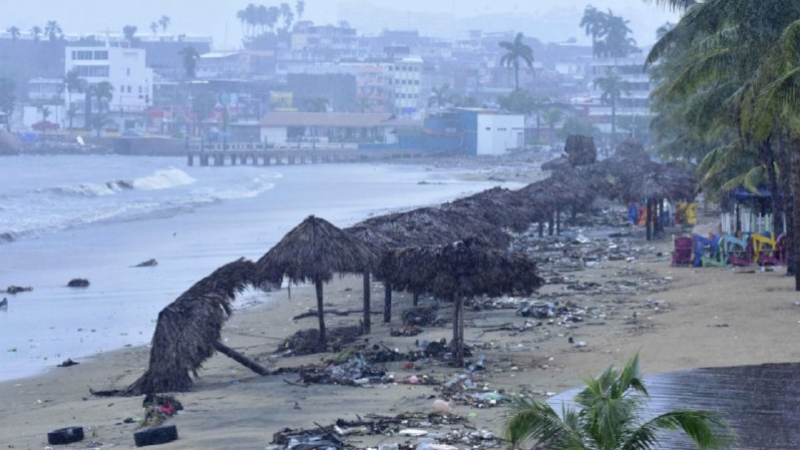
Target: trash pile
pixel 438 430
pixel 159 408
pixel 422 316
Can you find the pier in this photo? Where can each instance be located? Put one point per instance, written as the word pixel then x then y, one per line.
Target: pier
pixel 258 155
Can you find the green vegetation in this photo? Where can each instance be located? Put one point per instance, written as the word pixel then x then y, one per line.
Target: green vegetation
pixel 190 57
pixel 608 416
pixel 612 87
pixel 727 96
pixel 610 33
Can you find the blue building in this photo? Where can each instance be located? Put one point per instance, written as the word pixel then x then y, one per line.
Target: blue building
pixel 472 131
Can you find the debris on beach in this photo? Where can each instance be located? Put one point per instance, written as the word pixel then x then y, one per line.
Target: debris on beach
pixel 17 289
pixel 159 408
pixel 4 304
pixel 148 263
pixel 407 330
pixel 306 342
pixel 422 316
pixel 78 283
pixel 68 363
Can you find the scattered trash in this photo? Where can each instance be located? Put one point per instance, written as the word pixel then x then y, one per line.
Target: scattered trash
pixel 17 289
pixel 68 363
pixel 148 263
pixel 421 316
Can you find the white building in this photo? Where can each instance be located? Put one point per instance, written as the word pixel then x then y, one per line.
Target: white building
pixel 634 102
pixel 499 133
pixel 126 70
pixel 406 76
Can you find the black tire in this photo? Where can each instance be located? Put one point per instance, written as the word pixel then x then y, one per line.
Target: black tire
pixel 65 435
pixel 155 435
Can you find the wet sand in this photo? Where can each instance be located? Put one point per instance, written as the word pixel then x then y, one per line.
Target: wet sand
pixel 707 317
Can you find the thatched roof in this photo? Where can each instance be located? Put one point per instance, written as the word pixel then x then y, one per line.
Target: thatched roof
pixel 433 226
pixel 661 182
pixel 467 268
pixel 314 251
pixel 188 328
pixel 498 206
pixel 580 150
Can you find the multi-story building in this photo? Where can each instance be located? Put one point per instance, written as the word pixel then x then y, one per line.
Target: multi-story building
pixel 126 70
pixel 406 77
pixel 634 103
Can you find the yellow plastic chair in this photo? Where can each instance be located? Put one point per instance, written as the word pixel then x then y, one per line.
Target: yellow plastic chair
pixel 763 248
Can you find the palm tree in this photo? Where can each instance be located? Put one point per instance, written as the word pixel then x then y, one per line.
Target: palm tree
pixel 609 416
pixel 516 51
pixel 594 24
pixel 52 30
pixel 154 27
pixel 617 42
pixel 440 97
pixel 317 104
pixel 164 21
pixel 36 32
pixel 103 92
pixel 612 87
pixel 288 16
pixel 14 32
pixel 190 57
pixel 300 7
pixel 73 83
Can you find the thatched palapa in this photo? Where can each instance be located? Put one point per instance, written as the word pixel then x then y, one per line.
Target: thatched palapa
pixel 189 328
pixel 457 271
pixel 500 207
pixel 314 251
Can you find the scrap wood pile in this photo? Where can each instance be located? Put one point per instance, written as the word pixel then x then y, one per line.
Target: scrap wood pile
pixel 306 342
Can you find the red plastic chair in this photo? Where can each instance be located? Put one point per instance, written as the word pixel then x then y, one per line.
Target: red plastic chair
pixel 682 255
pixel 782 249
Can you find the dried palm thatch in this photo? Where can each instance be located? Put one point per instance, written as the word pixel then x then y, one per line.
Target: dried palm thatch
pixel 631 150
pixel 497 206
pixel 188 329
pixel 580 150
pixel 463 269
pixel 314 251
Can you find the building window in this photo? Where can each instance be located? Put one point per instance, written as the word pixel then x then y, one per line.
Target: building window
pixel 122 89
pixel 140 90
pixel 101 55
pixel 129 89
pixel 82 55
pixel 92 71
pixel 488 128
pixel 128 71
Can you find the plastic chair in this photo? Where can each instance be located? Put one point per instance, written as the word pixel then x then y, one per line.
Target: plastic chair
pixel 704 246
pixel 764 249
pixel 682 254
pixel 737 252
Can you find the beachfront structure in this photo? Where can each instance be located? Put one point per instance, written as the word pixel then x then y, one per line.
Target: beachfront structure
pixel 126 70
pixel 473 131
pixel 633 106
pixel 331 129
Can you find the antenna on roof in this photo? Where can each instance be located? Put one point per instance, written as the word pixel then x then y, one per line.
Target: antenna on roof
pixel 107 32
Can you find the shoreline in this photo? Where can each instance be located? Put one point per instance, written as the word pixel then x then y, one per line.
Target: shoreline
pixel 703 321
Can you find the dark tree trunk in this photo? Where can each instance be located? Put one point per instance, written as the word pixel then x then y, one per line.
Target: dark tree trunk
pixel 416 299
pixel 321 315
pixel 460 351
pixel 795 242
pixel 541 229
pixel 648 219
pixel 367 322
pixel 387 302
pixel 241 359
pixel 551 224
pixel 767 157
pixel 784 162
pixel 454 344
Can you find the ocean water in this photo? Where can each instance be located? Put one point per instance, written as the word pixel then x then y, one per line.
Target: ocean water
pixel 95 217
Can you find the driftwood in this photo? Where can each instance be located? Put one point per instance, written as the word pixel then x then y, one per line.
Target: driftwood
pixel 334 312
pixel 241 359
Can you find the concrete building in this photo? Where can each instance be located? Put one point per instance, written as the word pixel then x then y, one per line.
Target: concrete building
pixel 634 104
pixel 472 131
pixel 406 81
pixel 126 70
pixel 331 129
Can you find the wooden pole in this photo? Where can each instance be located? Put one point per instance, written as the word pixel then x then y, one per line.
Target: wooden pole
pixel 367 322
pixel 558 222
pixel 387 302
pixel 456 344
pixel 550 224
pixel 460 332
pixel 648 218
pixel 321 314
pixel 241 359
pixel 541 228
pixel 416 299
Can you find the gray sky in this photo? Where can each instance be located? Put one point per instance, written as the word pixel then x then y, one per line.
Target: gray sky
pixel 551 20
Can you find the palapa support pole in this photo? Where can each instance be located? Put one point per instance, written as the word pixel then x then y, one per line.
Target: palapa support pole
pixel 416 299
pixel 551 224
pixel 541 229
pixel 387 302
pixel 648 219
pixel 460 355
pixel 240 358
pixel 456 342
pixel 367 323
pixel 558 222
pixel 321 314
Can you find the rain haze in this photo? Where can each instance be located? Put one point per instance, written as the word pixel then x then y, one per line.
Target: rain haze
pixel 547 20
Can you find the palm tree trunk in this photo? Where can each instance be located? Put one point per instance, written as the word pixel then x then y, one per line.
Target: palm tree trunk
pixel 648 219
pixel 784 161
pixel 367 323
pixel 460 348
pixel 767 157
pixel 613 122
pixel 321 315
pixel 87 111
pixel 416 299
pixel 516 75
pixel 241 359
pixel 795 242
pixel 387 302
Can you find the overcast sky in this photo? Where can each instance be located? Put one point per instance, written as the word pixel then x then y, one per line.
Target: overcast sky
pixel 550 20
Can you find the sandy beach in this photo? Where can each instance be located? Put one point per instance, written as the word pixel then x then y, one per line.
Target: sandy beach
pixel 685 318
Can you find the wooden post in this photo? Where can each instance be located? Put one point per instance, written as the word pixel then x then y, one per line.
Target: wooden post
pixel 541 228
pixel 190 157
pixel 321 314
pixel 241 359
pixel 387 302
pixel 367 323
pixel 416 299
pixel 558 222
pixel 455 344
pixel 648 219
pixel 550 224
